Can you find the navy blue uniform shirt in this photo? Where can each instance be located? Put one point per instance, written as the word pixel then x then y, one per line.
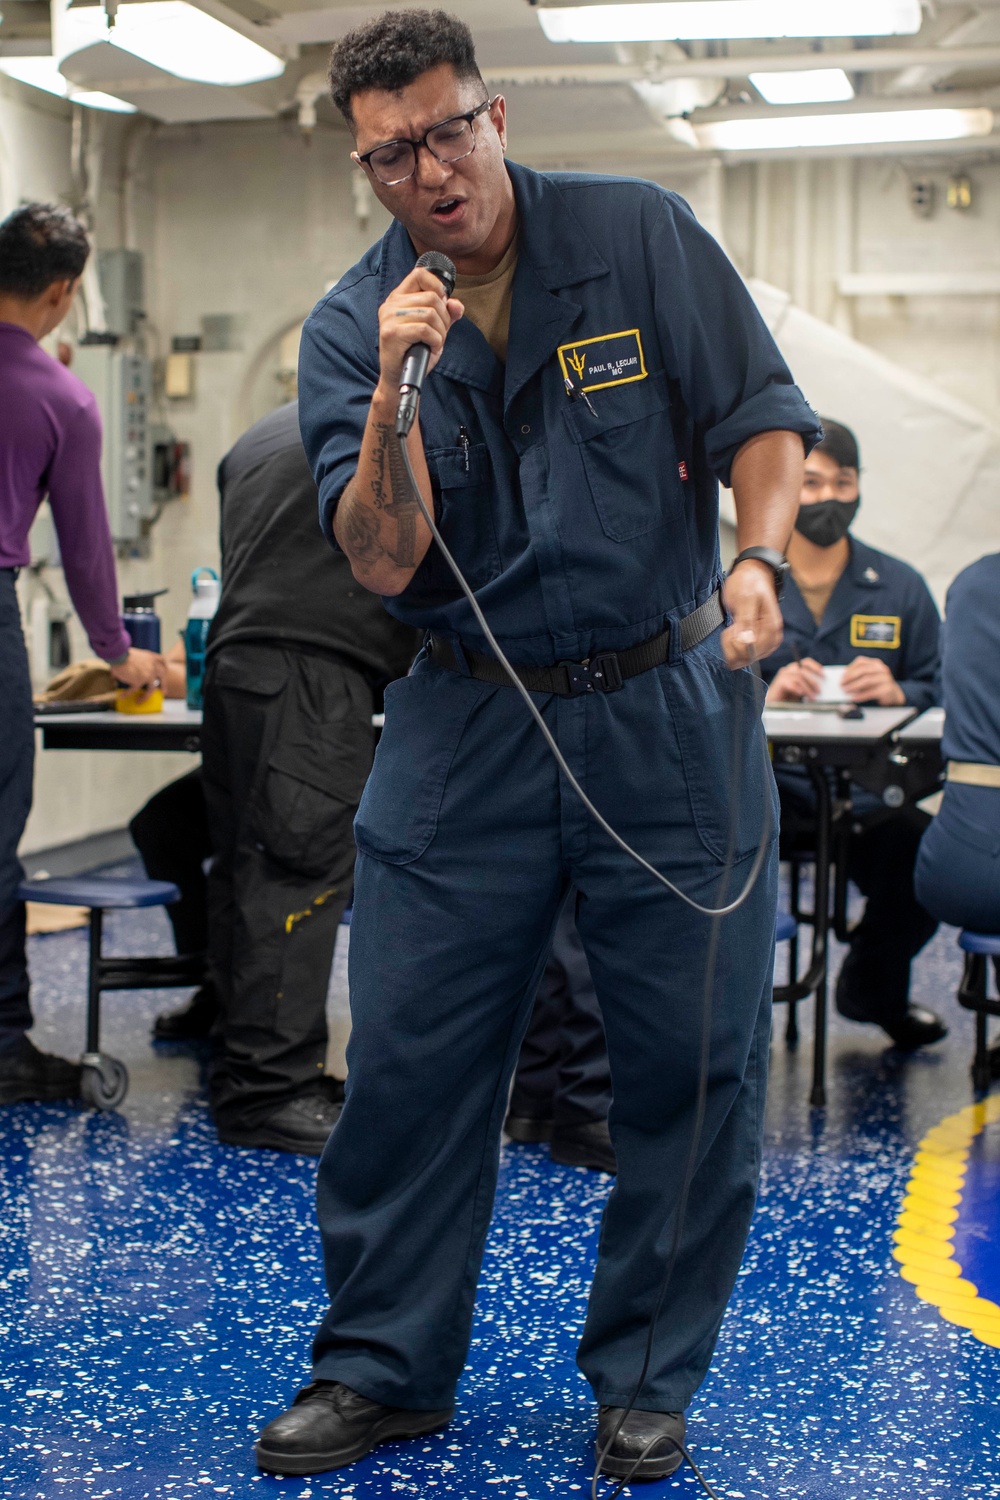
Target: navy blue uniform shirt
pixel 583 525
pixel 880 607
pixel 971 665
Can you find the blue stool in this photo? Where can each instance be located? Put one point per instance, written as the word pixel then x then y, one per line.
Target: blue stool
pixel 104 1082
pixel 973 993
pixel 785 928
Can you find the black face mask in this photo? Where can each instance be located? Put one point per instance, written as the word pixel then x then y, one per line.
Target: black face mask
pixel 826 522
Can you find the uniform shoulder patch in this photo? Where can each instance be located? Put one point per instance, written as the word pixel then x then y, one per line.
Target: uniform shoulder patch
pixel 609 359
pixel 881 631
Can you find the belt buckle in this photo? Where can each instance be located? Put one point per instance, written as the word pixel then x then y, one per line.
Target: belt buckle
pixel 606 672
pixel 599 673
pixel 578 677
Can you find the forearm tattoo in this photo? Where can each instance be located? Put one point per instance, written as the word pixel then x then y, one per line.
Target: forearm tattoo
pixel 360 528
pixel 361 519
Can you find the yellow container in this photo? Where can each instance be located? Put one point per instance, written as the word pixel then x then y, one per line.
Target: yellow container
pixel 128 701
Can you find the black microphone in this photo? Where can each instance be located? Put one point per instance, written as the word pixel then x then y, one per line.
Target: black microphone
pixel 415 363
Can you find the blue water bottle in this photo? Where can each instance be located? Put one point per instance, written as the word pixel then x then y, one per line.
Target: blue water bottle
pixel 142 623
pixel 205 584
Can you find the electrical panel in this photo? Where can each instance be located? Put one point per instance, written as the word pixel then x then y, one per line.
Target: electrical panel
pixel 122 383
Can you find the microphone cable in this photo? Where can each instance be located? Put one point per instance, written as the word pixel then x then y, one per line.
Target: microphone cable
pixel 716 913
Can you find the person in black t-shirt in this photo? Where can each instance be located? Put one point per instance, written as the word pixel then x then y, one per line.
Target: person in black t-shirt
pixel 298 655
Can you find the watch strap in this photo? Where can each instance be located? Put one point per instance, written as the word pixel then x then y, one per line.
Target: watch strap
pixel 771 557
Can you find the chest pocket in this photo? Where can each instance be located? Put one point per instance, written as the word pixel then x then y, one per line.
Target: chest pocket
pixel 460 479
pixel 627 448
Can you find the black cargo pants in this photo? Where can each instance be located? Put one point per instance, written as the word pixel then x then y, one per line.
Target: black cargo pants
pixel 287 745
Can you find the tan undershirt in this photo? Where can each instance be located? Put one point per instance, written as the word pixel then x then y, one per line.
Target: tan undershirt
pixel 486 300
pixel 816 595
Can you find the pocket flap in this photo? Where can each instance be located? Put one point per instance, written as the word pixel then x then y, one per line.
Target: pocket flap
pixel 619 406
pixel 454 468
pixel 251 670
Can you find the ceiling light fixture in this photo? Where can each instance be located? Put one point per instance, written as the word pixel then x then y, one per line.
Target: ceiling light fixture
pixel 692 20
pixel 43 73
pixel 175 36
pixel 820 86
pixel 886 127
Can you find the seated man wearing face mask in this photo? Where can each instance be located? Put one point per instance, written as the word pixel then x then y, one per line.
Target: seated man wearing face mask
pixel 848 606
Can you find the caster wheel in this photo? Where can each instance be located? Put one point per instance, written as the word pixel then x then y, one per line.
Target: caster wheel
pixel 104 1081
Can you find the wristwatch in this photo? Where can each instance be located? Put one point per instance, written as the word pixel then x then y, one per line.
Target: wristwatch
pixel 774 559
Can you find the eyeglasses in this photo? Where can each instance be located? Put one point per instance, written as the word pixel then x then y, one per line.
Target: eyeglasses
pixel 447 141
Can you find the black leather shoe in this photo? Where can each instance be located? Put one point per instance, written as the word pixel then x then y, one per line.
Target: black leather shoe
pixel 528 1129
pixel 585 1145
pixel 301 1126
pixel 191 1022
pixel 27 1074
pixel 649 1439
pixel 328 1425
pixel 918 1028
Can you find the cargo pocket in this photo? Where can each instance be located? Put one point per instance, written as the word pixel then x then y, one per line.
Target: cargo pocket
pixel 425 718
pixel 306 799
pixel 460 479
pixel 717 718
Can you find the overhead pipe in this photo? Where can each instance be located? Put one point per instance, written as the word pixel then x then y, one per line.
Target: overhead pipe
pixel 862 60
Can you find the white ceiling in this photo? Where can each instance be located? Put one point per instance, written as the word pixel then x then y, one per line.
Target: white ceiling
pixel 568 103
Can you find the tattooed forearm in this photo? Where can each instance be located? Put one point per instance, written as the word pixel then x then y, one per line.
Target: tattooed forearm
pixel 359 531
pixel 402 506
pixel 378 522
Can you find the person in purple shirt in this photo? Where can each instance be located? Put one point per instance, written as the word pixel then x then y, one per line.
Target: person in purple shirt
pixel 50 444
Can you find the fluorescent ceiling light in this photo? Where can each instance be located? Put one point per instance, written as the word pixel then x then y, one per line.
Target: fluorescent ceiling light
pixel 175 36
pixel 887 127
pixel 692 20
pixel 814 86
pixel 43 73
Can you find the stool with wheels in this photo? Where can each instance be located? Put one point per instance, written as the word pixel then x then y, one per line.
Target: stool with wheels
pixel 104 1082
pixel 974 994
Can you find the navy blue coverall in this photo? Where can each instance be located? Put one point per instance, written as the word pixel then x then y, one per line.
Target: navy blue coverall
pixel 584 526
pixel 562 1072
pixel 879 607
pixel 958 867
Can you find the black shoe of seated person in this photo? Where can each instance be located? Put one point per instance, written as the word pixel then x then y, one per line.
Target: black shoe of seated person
pixel 300 1126
pixel 527 1127
pixel 917 1027
pixel 329 1426
pixel 648 1446
pixel 29 1075
pixel 586 1143
pixel 191 1022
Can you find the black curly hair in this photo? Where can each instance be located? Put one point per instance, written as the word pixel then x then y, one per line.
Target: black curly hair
pixel 394 49
pixel 40 243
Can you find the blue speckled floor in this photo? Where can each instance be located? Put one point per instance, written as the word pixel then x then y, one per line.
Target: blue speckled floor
pixel 158 1291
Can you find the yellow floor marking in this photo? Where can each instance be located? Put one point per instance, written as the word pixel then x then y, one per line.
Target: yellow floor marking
pixel 922 1237
pixel 922 1242
pixel 932 1228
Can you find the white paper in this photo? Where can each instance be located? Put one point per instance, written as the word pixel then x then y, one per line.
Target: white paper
pixel 832 690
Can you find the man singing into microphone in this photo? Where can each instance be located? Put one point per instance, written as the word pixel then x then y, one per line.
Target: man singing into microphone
pixel 598 370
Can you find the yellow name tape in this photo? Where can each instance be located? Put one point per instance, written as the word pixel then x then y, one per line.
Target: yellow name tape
pixel 609 359
pixel 876 630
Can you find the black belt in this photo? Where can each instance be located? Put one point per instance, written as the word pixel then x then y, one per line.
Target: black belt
pixel 604 673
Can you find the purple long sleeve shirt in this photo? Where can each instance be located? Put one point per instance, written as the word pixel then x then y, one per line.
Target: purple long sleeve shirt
pixel 50 444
